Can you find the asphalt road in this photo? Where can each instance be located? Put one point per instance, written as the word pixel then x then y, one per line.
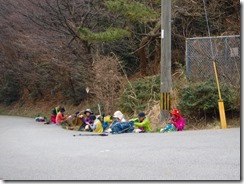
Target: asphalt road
pixel 34 151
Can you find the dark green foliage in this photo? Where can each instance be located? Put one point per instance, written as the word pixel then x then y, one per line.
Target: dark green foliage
pixel 75 93
pixel 123 49
pixel 9 89
pixel 74 83
pixel 139 93
pixel 201 99
pixel 134 11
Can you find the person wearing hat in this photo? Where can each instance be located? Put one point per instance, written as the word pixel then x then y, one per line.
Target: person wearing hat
pixel 96 125
pixel 142 123
pixel 176 122
pixel 118 116
pixel 85 119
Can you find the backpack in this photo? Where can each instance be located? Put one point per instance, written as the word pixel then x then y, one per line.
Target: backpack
pixel 104 125
pixel 122 127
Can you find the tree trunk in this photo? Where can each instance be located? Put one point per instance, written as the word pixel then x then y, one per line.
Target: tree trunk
pixel 142 49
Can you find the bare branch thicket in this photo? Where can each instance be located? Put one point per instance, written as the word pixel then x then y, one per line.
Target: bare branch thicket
pixel 42 53
pixel 68 16
pixel 189 21
pixel 18 43
pixel 41 59
pixel 108 81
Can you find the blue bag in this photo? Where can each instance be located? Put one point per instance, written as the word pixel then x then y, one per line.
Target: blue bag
pixel 122 127
pixel 169 127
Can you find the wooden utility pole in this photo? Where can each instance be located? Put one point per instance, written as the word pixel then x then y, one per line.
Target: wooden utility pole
pixel 165 75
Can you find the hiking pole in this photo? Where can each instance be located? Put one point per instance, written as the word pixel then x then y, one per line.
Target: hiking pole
pixel 102 134
pixel 99 109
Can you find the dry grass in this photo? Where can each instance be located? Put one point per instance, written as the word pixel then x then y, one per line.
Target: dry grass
pixel 153 114
pixel 41 107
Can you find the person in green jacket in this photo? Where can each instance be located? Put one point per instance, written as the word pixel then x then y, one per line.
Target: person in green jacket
pixel 142 123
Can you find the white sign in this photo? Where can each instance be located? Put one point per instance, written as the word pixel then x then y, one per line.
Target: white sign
pixel 162 33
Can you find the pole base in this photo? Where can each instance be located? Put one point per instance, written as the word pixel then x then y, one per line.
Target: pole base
pixel 222 113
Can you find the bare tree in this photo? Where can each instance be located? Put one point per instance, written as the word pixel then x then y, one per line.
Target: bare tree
pixel 41 59
pixel 108 81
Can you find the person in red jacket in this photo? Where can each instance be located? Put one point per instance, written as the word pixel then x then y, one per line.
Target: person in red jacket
pixel 52 119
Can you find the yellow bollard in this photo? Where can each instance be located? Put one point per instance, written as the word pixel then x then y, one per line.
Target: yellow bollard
pixel 222 113
pixel 220 101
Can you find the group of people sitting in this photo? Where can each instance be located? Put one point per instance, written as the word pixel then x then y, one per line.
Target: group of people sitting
pixel 116 123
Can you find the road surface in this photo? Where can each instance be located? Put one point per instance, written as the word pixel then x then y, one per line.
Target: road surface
pixel 33 151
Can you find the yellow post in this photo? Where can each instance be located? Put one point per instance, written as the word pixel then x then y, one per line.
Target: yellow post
pixel 220 101
pixel 222 113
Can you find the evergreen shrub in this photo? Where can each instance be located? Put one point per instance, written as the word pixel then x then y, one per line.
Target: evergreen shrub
pixel 201 99
pixel 138 94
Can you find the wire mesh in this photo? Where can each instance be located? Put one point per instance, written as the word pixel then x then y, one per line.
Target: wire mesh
pixel 224 50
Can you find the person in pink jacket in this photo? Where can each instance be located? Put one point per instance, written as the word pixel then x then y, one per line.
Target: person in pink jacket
pixel 176 122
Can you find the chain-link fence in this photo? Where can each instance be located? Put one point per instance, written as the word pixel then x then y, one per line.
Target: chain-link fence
pixel 224 50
